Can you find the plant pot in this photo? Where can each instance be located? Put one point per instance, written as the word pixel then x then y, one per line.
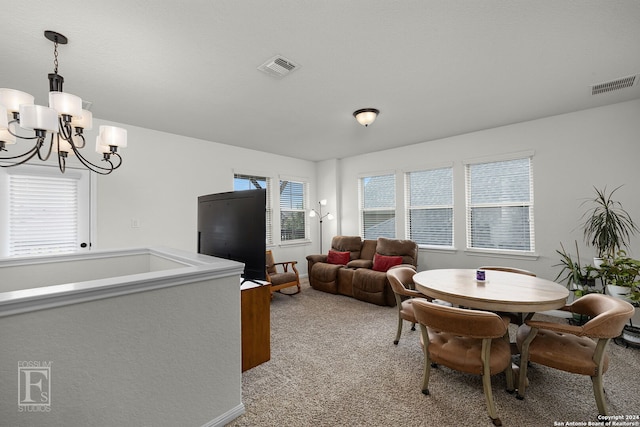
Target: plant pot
pixel 597 262
pixel 618 291
pixel 631 334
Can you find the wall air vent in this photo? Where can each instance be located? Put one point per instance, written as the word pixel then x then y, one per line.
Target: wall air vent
pixel 617 84
pixel 278 67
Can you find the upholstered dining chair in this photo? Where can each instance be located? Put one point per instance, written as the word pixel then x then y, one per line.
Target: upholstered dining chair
pixel 401 280
pixel 287 276
pixel 516 318
pixel 572 348
pixel 471 341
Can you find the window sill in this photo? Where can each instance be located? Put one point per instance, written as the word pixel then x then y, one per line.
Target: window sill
pixel 290 243
pixel 501 254
pixel 438 249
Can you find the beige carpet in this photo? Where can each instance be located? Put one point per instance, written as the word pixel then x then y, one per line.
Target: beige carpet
pixel 333 363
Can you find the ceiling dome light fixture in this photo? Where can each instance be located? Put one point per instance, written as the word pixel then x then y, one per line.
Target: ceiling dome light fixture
pixel 59 120
pixel 366 116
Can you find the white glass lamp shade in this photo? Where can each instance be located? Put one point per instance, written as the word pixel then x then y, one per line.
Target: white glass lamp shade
pixel 4 121
pixel 11 99
pixel 366 116
pixel 84 121
pixel 312 213
pixel 66 103
pixel 330 217
pixel 111 135
pixel 100 147
pixel 6 137
pixel 37 117
pixel 323 202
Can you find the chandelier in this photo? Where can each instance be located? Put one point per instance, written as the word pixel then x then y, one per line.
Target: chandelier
pixel 58 127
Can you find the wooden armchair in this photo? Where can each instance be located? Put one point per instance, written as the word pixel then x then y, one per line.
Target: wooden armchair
pixel 401 280
pixel 471 341
pixel 575 349
pixel 287 277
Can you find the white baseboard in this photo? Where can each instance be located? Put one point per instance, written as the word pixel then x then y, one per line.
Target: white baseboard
pixel 227 417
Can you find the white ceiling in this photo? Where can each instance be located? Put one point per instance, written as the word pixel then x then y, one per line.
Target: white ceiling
pixel 434 68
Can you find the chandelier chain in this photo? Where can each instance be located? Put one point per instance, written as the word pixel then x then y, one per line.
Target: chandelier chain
pixel 55 57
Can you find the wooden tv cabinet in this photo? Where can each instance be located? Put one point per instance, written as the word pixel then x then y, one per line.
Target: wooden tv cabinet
pixel 255 309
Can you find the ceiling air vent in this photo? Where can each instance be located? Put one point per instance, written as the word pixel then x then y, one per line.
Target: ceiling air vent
pixel 617 84
pixel 278 67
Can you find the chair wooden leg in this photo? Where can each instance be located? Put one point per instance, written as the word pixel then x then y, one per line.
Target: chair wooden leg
pixel 524 359
pixel 427 362
pixel 486 382
pixel 397 340
pixel 598 391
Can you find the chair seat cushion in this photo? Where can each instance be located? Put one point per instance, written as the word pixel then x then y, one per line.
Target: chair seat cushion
pixel 566 352
pixel 464 354
pixel 280 278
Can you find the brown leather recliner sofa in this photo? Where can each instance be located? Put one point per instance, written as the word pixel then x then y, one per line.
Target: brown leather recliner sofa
pixel 357 277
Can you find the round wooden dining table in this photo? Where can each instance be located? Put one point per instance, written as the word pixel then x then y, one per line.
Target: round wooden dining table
pixel 501 291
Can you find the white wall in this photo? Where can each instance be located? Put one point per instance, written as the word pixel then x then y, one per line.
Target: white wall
pixel 163 174
pixel 573 153
pixel 160 180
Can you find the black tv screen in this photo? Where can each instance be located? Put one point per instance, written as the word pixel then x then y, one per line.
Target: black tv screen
pixel 232 226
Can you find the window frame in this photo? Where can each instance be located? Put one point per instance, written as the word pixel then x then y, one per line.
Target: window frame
pixel 362 210
pixel 84 206
pixel 303 211
pixel 530 204
pixel 409 207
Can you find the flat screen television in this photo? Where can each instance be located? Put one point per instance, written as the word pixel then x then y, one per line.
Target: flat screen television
pixel 232 226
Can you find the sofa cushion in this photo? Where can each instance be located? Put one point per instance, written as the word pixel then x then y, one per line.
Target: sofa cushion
pixel 407 249
pixel 385 262
pixel 347 244
pixel 336 257
pixel 372 286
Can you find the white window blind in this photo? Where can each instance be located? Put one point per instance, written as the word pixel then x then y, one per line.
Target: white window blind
pixel 500 205
pixel 252 182
pixel 429 203
pixel 43 215
pixel 293 224
pixel 378 206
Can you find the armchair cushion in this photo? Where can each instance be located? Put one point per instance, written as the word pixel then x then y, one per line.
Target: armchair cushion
pixel 336 257
pixel 385 262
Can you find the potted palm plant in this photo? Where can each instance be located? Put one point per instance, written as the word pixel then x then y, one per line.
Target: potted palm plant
pixel 607 226
pixel 622 278
pixel 579 279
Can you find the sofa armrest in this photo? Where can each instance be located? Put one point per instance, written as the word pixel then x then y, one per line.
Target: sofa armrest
pixel 317 258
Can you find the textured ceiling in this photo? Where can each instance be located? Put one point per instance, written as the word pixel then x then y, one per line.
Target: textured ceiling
pixel 434 68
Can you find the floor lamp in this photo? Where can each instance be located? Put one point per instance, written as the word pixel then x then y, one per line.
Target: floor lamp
pixel 318 213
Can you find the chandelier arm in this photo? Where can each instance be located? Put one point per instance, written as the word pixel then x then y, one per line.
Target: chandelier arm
pixel 119 160
pixel 33 151
pixel 62 162
pixel 15 134
pixel 39 146
pixel 65 130
pixel 84 142
pixel 93 167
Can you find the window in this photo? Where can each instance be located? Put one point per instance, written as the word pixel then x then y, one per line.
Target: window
pixel 252 182
pixel 293 224
pixel 378 206
pixel 500 205
pixel 46 212
pixel 430 207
